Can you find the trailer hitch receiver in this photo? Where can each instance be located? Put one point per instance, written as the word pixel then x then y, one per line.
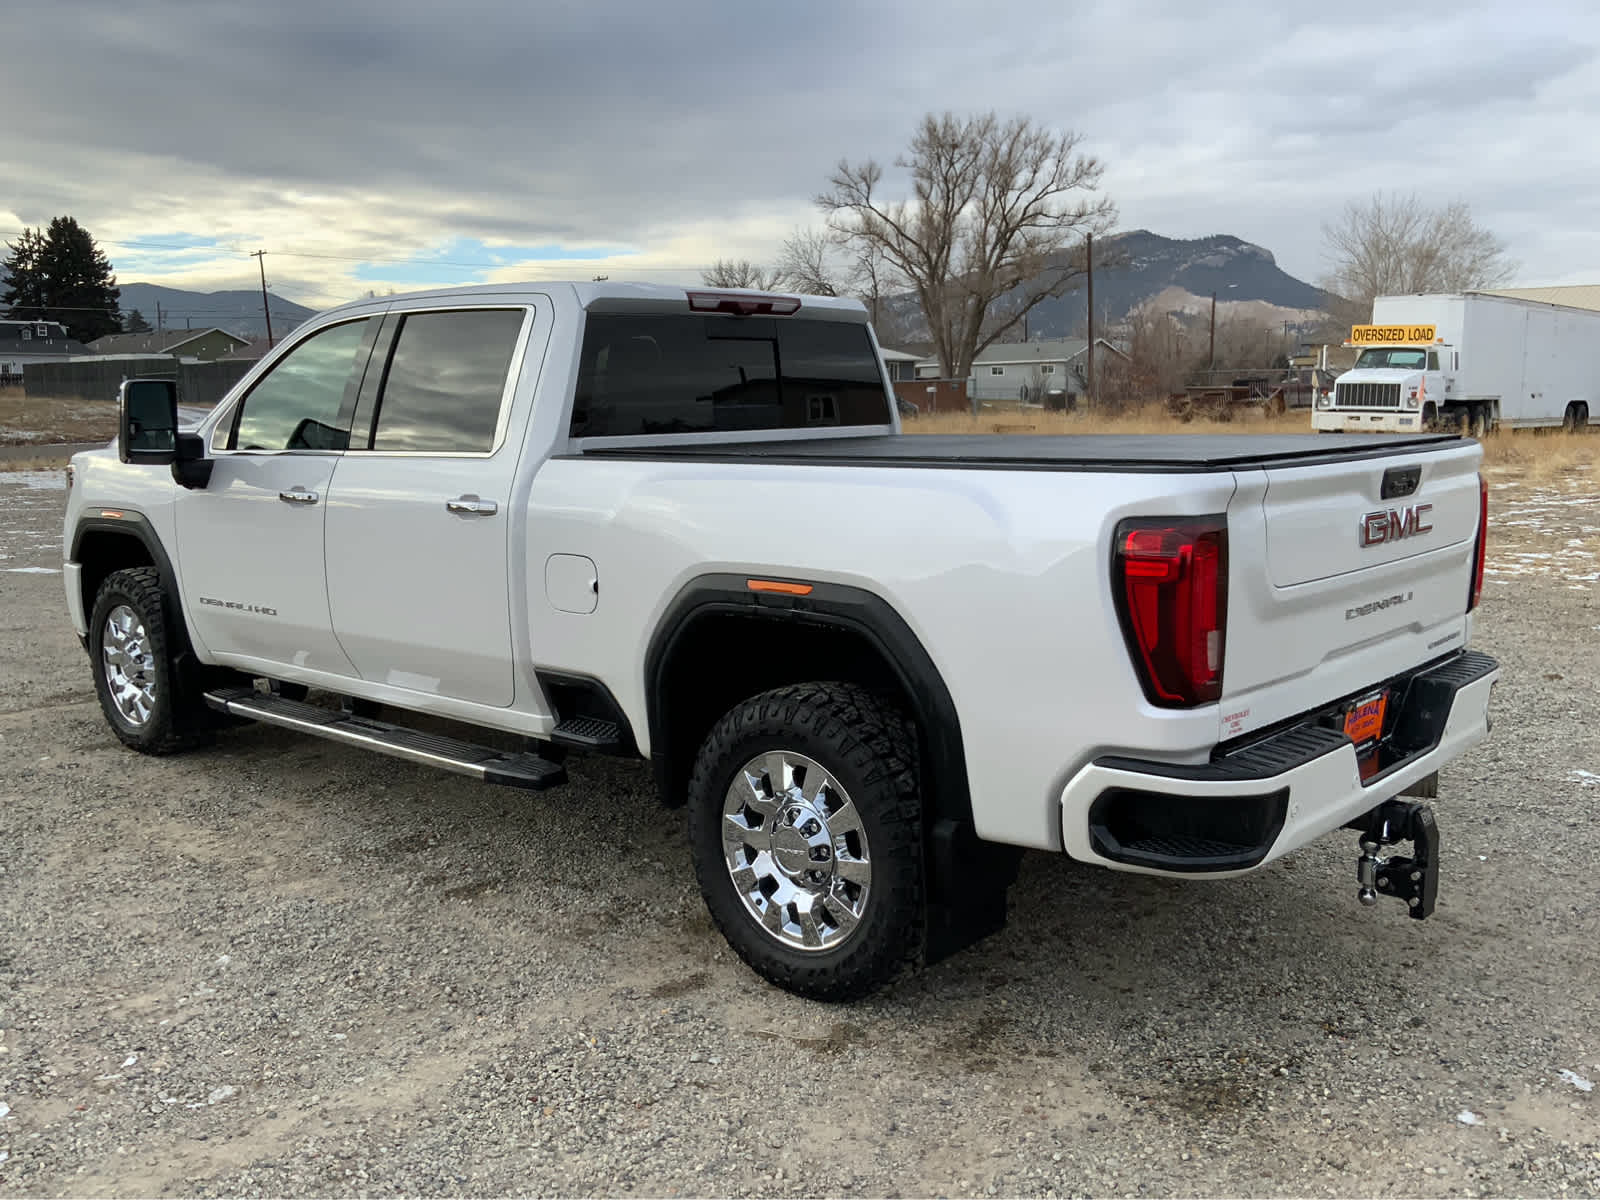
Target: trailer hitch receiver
pixel 1414 881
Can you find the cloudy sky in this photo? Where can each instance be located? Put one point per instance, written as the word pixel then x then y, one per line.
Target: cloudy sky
pixel 395 143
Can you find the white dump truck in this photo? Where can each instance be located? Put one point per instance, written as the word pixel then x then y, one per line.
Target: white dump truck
pixel 1471 357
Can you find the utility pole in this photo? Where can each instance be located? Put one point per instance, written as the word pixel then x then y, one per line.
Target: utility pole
pixel 261 261
pixel 1211 355
pixel 159 326
pixel 1088 240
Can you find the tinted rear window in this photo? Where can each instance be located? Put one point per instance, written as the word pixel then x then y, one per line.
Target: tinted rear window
pixel 696 374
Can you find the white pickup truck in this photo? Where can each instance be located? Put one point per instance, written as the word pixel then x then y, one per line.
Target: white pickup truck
pixel 482 528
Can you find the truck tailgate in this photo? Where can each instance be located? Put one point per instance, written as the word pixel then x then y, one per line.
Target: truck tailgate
pixel 1330 520
pixel 1336 586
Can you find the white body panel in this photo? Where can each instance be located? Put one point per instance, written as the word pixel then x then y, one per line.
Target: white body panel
pixel 1002 575
pixel 1528 359
pixel 242 549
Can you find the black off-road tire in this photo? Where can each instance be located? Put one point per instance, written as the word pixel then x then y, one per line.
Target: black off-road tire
pixel 867 747
pixel 179 718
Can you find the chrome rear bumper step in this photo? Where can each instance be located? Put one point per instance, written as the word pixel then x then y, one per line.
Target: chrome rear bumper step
pixel 528 771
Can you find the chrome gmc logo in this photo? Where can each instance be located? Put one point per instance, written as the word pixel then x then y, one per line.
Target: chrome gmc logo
pixel 1390 525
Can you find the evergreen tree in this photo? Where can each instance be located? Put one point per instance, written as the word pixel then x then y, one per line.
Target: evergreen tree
pixel 80 285
pixel 61 275
pixel 25 293
pixel 134 322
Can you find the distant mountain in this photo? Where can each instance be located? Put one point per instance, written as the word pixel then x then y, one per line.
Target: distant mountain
pixel 237 311
pixel 1236 270
pixel 1133 269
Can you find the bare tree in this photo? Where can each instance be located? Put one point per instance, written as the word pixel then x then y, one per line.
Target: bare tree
pixel 995 209
pixel 742 273
pixel 808 264
pixel 1245 342
pixel 1396 246
pixel 1161 352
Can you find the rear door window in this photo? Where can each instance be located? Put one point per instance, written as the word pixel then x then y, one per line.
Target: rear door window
pixel 445 381
pixel 665 373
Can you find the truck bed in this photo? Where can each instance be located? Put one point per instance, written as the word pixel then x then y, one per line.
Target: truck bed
pixel 1144 453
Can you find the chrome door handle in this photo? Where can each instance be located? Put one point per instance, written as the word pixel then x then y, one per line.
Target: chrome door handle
pixel 472 506
pixel 298 495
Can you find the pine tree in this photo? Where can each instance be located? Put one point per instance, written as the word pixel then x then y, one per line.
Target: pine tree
pixel 80 290
pixel 134 322
pixel 25 291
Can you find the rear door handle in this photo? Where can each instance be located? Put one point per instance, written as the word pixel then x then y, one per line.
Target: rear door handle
pixel 472 506
pixel 298 495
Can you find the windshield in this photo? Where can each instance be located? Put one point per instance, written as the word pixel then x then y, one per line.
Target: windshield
pixel 1393 356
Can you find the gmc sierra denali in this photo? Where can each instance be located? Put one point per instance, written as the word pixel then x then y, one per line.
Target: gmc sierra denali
pixel 483 528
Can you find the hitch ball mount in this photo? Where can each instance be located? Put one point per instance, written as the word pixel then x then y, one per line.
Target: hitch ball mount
pixel 1414 881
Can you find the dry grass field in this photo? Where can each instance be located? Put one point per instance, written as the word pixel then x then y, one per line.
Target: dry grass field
pixel 25 422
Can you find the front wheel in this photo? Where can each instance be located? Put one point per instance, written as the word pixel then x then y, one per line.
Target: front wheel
pixel 135 673
pixel 805 824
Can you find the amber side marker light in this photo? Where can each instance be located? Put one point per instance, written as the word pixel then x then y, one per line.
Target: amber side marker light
pixel 115 514
pixel 778 586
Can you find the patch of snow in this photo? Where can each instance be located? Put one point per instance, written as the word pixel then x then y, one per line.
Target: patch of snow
pixel 44 481
pixel 1468 1117
pixel 1586 779
pixel 1576 1080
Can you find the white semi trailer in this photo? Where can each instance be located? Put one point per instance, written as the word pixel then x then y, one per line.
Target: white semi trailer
pixel 1469 357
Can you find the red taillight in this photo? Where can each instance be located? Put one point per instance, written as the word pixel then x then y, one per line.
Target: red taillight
pixel 741 304
pixel 1480 552
pixel 1171 582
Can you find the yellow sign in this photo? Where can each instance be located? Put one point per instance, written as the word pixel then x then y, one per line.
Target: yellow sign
pixel 1392 335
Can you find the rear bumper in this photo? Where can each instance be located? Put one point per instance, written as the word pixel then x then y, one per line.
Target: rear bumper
pixel 1252 804
pixel 1388 421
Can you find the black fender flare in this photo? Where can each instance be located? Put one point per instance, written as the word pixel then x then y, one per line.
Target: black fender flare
pixel 957 916
pixel 135 525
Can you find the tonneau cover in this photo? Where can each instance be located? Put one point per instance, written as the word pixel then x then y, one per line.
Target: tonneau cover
pixel 1194 452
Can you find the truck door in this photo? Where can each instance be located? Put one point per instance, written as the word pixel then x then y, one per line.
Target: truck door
pixel 419 520
pixel 250 542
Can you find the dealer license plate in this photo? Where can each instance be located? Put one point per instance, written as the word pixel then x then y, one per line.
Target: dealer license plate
pixel 1363 720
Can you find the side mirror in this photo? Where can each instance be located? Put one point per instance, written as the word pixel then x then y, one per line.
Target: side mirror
pixel 147 421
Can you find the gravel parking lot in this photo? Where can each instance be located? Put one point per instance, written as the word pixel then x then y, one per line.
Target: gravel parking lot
pixel 278 967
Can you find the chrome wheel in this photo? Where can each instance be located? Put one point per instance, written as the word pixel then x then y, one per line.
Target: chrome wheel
pixel 796 849
pixel 129 665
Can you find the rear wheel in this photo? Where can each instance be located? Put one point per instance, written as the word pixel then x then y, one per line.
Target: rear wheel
pixel 147 703
pixel 805 825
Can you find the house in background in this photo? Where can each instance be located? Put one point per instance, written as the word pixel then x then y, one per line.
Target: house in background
pixel 24 342
pixel 1029 372
pixel 901 364
pixel 202 345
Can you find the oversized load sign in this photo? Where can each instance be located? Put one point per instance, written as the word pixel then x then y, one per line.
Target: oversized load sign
pixel 1392 335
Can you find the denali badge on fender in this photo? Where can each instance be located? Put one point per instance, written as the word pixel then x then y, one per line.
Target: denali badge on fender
pixel 1390 525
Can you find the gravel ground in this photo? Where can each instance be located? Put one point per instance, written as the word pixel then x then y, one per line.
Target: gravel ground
pixel 276 967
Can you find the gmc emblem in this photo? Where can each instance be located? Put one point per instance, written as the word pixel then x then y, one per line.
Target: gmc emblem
pixel 1390 525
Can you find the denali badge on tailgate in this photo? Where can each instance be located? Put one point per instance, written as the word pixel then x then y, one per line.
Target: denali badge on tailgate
pixel 1390 525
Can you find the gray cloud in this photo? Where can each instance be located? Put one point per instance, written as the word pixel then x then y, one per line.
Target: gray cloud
pixel 379 129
